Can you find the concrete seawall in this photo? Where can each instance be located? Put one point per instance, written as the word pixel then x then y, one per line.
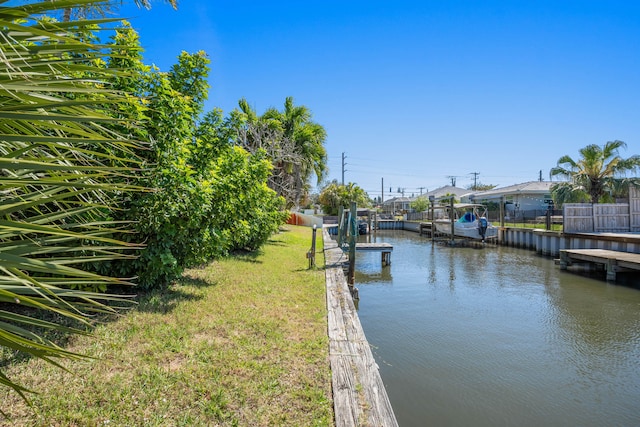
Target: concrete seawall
pixel 549 243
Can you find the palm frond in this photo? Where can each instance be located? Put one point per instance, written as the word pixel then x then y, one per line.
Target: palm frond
pixel 61 168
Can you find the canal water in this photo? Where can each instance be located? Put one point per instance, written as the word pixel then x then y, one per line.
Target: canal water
pixel 498 337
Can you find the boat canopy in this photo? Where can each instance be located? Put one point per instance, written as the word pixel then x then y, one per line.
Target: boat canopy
pixel 467 217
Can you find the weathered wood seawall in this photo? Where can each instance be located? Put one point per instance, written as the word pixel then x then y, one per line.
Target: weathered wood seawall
pixel 359 396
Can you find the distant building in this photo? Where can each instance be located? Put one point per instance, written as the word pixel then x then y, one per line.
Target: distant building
pixel 445 192
pixel 401 205
pixel 528 196
pixel 397 205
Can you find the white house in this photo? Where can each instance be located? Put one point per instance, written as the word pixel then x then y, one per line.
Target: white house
pixel 528 196
pixel 446 191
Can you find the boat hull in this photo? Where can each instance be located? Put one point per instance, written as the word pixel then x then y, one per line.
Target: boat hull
pixel 466 230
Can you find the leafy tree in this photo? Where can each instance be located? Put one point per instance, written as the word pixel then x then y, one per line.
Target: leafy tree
pixel 335 195
pixel 211 198
pixel 446 199
pixel 85 10
pixel 293 142
pixel 420 204
pixel 171 218
pixel 481 187
pixel 59 172
pixel 597 176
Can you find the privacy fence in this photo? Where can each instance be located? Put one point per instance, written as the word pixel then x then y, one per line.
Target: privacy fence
pixel 604 217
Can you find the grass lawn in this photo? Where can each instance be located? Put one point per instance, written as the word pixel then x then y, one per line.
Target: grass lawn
pixel 241 341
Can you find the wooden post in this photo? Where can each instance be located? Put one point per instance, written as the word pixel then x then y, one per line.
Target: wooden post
pixel 612 266
pixel 453 221
pixel 375 221
pixel 341 225
pixel 433 221
pixel 353 229
pixel 312 258
pixel 548 219
pixel 564 260
pixel 386 258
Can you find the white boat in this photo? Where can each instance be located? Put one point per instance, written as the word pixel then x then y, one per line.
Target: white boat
pixel 470 221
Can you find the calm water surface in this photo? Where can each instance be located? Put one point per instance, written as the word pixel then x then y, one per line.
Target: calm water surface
pixel 498 337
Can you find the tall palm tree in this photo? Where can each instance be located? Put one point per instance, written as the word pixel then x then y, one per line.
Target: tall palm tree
pixel 58 171
pixel 598 175
pixel 300 143
pixel 308 137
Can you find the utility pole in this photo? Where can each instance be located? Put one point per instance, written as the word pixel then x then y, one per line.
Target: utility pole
pixel 343 169
pixel 475 179
pixel 540 176
pixel 382 200
pixel 421 188
pixel 453 180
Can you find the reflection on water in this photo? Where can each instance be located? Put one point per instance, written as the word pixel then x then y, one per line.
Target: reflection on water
pixel 498 336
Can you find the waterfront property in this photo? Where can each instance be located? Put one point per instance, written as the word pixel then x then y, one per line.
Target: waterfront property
pixel 517 198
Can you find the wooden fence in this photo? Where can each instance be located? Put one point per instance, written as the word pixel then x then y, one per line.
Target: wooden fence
pixel 604 217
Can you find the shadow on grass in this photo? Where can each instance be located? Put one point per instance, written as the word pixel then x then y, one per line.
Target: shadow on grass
pixel 155 301
pixel 9 356
pixel 166 299
pixel 247 256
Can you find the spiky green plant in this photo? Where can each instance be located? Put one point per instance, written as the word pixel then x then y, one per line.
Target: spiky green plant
pixel 60 167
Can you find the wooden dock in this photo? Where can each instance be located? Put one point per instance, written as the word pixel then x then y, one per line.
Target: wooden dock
pixel 613 261
pixel 385 248
pixel 359 395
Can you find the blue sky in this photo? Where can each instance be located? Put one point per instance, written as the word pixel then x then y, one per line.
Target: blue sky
pixel 418 91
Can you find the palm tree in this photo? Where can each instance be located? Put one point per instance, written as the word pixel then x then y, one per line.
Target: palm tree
pixel 308 137
pixel 102 8
pixel 599 175
pixel 58 172
pixel 294 144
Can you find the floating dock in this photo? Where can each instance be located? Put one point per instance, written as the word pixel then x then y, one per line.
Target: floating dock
pixel 613 261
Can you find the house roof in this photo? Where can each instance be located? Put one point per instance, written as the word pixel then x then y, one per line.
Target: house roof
pixel 531 187
pixel 447 189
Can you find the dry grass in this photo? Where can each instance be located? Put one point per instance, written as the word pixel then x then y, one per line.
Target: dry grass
pixel 241 341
